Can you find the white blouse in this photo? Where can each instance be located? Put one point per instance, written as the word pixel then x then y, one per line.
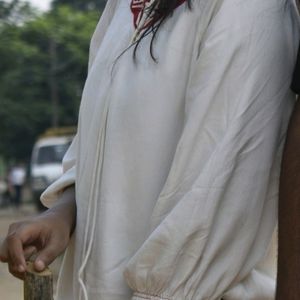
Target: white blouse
pixel 176 162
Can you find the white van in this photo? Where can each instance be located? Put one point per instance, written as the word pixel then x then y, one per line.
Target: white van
pixel 46 160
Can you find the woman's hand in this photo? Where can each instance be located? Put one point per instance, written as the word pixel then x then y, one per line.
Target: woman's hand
pixel 46 235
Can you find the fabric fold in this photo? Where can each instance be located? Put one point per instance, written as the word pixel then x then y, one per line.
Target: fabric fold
pixel 51 194
pixel 176 163
pixel 221 192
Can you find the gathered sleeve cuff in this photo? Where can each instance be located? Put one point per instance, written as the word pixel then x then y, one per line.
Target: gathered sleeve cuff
pixel 139 296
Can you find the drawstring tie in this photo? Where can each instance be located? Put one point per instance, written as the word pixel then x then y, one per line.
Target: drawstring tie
pixel 93 199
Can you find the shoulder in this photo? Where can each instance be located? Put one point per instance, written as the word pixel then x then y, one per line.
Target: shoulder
pixel 245 12
pixel 250 32
pixel 103 24
pixel 243 19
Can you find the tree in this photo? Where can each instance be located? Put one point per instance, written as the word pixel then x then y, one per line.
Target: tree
pixel 41 58
pixel 86 5
pixel 15 12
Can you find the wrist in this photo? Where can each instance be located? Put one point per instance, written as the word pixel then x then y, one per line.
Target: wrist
pixel 64 210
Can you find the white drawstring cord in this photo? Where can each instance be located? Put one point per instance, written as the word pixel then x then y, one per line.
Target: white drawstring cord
pixel 87 246
pixel 93 198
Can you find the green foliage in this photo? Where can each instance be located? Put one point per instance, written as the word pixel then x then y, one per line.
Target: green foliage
pixel 40 55
pixel 15 12
pixel 81 5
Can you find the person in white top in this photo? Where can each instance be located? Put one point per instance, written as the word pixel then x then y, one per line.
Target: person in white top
pixel 170 186
pixel 16 178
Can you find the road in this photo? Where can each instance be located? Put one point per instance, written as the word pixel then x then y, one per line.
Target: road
pixel 10 287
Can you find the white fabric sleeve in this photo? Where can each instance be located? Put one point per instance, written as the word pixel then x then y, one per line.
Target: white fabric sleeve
pixel 52 193
pixel 214 218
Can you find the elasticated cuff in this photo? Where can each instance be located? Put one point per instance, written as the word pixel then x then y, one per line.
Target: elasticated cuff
pixel 140 296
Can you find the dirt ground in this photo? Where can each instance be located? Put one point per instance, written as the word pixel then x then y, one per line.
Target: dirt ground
pixel 10 287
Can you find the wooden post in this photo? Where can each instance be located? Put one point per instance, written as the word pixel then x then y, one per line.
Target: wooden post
pixel 38 286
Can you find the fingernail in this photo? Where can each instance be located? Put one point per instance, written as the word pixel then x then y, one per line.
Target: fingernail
pixel 39 265
pixel 21 269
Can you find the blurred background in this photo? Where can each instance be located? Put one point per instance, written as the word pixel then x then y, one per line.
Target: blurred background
pixel 43 65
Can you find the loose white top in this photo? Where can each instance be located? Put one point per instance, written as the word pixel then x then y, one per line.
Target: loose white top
pixel 176 162
pixel 17 176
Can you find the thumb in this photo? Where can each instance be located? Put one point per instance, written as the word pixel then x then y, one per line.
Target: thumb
pixel 45 257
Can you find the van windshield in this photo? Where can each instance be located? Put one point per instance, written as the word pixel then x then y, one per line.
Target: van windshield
pixel 51 154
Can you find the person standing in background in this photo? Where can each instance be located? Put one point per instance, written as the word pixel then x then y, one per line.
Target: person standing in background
pixel 17 179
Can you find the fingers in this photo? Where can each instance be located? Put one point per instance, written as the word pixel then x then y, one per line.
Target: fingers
pixel 15 252
pixel 15 248
pixel 28 252
pixel 46 256
pixel 16 273
pixel 45 237
pixel 3 252
pixel 12 253
pixel 4 257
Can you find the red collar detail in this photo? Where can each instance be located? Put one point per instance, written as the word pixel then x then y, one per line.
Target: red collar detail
pixel 137 7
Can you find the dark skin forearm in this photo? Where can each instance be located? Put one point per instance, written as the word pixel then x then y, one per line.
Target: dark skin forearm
pixel 288 281
pixel 64 208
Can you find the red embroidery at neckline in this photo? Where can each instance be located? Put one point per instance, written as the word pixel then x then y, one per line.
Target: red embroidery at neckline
pixel 137 9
